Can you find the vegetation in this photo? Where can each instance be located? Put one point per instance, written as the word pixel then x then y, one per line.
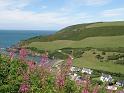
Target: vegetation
pixel 82 31
pixel 17 75
pixel 89 60
pixel 113 42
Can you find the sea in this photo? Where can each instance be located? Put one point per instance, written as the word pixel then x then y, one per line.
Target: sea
pixel 11 37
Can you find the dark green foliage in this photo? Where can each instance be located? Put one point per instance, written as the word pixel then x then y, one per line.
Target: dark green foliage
pixel 10 79
pixel 110 73
pixel 70 87
pixel 119 49
pixel 76 52
pixel 94 82
pixel 120 62
pixel 113 57
pixel 58 55
pixel 103 53
pixel 36 50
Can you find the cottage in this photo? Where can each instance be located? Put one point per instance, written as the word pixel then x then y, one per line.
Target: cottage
pixel 120 83
pixel 86 70
pixel 75 69
pixel 106 78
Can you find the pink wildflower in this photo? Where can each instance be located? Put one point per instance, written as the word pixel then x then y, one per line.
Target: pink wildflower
pixel 120 92
pixel 22 53
pixel 31 65
pixel 24 88
pixel 96 89
pixel 11 54
pixel 26 77
pixel 60 80
pixel 69 61
pixel 44 59
pixel 85 91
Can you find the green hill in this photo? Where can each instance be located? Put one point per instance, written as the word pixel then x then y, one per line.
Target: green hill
pixel 82 31
pixel 95 42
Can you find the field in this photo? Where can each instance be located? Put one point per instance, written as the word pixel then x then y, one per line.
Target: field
pixel 88 60
pixel 95 42
pixel 102 24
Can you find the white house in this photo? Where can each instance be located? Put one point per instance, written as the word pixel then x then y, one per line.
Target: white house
pixel 75 69
pixel 86 70
pixel 120 83
pixel 106 78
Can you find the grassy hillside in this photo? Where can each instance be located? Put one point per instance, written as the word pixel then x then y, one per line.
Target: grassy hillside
pixel 82 31
pixel 88 60
pixel 95 42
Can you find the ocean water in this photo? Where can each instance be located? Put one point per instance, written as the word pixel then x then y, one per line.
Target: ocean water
pixel 9 37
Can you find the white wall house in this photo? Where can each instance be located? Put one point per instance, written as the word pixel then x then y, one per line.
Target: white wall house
pixel 86 70
pixel 120 83
pixel 74 69
pixel 106 78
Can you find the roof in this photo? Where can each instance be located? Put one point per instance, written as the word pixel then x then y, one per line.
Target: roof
pixel 107 76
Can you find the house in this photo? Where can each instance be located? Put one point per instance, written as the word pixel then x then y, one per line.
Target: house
pixel 75 69
pixel 113 88
pixel 120 83
pixel 86 70
pixel 106 78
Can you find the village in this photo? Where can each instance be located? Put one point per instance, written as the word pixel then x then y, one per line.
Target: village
pixel 78 75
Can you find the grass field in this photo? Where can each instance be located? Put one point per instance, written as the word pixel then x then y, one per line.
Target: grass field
pixel 96 42
pixel 88 60
pixel 102 24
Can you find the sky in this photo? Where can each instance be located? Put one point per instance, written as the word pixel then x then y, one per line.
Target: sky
pixel 57 14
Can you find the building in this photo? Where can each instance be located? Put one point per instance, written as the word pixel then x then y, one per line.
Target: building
pixel 106 78
pixel 87 71
pixel 74 69
pixel 120 83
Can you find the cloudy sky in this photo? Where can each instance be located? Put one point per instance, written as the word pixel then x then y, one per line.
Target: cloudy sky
pixel 56 14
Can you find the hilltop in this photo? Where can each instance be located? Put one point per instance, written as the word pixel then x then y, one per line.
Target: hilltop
pixel 82 31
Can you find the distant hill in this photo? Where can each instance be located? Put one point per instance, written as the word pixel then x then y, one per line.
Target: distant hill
pixel 82 31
